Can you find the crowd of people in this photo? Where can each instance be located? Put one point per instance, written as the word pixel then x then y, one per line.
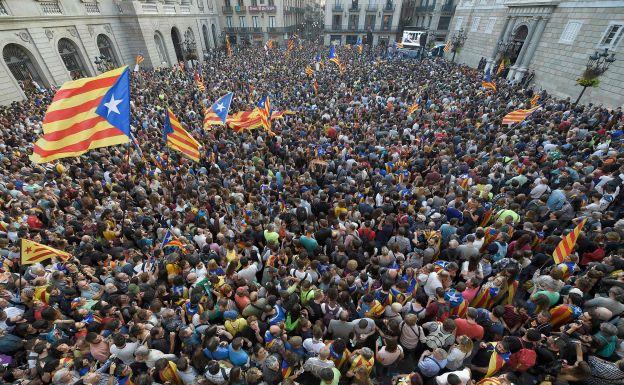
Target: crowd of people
pixel 358 244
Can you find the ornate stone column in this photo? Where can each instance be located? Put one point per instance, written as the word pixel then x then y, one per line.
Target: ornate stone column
pixel 502 37
pixel 530 51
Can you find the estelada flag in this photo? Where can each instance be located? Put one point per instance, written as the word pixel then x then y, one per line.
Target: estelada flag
pixel 489 85
pixel 447 47
pixel 518 115
pixel 33 252
pixel 179 139
pixel 501 67
pixel 497 361
pixel 565 247
pixel 245 120
pixel 534 100
pixel 85 114
pixel 217 113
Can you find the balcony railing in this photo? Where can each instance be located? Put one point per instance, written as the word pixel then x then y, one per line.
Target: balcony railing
pixel 92 8
pixel 185 9
pixel 51 8
pixel 261 8
pixel 337 8
pixel 229 29
pixel 257 29
pixel 169 8
pixel 227 9
pixel 424 9
pixel 240 8
pixel 354 8
pixel 336 27
pixel 371 8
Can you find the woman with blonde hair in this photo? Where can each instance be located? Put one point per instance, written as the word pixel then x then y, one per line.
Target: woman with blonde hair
pixel 458 353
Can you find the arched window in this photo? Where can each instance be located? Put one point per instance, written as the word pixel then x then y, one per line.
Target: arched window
pixel 22 66
pixel 177 44
pixel 214 35
pixel 105 45
pixel 206 40
pixel 190 47
pixel 73 62
pixel 160 48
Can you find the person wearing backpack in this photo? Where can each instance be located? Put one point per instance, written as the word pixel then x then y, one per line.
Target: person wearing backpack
pixel 331 308
pixel 440 334
pixel 438 309
pixel 525 358
pixel 412 335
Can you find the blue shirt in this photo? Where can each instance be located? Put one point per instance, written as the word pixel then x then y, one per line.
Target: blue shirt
pixel 238 357
pixel 430 367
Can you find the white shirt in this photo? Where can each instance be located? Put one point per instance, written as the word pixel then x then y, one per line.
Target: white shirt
pixel 126 354
pixel 312 345
pixel 464 376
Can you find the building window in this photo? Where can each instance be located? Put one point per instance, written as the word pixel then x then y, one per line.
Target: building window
pixel 255 21
pixel 160 48
pixel 22 65
pixel 612 35
pixel 228 21
pixel 105 46
pixel 490 25
pixel 369 22
pixel 71 58
pixel 570 31
pixel 459 22
pixel 241 21
pixel 475 24
pixel 272 21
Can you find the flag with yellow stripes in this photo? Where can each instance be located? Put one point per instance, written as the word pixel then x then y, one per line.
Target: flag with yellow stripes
pixel 33 252
pixel 447 47
pixel 85 114
pixel 534 100
pixel 565 247
pixel 179 139
pixel 518 115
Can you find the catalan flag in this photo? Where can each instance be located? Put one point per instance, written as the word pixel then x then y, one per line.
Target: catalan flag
pixel 198 82
pixel 359 45
pixel 280 114
pixel 85 114
pixel 565 247
pixel 33 252
pixel 290 45
pixel 4 227
pixel 179 139
pixel 264 109
pixel 216 115
pixel 228 46
pixel 309 71
pixel 463 182
pixel 497 361
pixel 564 314
pixel 458 305
pixel 447 47
pixel 486 217
pixel 534 100
pixel 170 240
pixel 315 86
pixel 518 115
pixel 398 45
pixel 412 108
pixel 333 57
pixel 501 67
pixel 487 82
pixel 138 61
pixel 245 120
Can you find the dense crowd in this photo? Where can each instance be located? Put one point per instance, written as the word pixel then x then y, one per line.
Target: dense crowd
pixel 358 245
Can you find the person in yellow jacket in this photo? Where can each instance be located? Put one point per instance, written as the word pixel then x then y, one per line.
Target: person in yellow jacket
pixel 361 358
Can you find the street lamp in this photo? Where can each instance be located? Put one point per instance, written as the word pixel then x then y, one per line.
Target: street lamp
pixel 457 41
pixel 597 64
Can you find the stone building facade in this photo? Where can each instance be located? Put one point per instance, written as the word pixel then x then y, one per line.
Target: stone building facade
pixel 256 21
pixel 53 41
pixel 433 16
pixel 551 39
pixel 346 20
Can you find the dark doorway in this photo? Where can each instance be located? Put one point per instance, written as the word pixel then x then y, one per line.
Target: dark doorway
pixel 177 45
pixel 518 41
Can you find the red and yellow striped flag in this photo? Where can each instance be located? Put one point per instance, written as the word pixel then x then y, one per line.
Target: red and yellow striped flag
pixel 534 100
pixel 291 45
pixel 309 71
pixel 139 59
pixel 411 109
pixel 245 120
pixel 565 247
pixel 315 86
pixel 501 67
pixel 85 114
pixel 33 252
pixel 447 47
pixel 497 361
pixel 489 85
pixel 518 115
pixel 179 139
pixel 228 46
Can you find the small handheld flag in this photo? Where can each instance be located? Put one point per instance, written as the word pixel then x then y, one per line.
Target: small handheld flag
pixel 315 86
pixel 359 45
pixel 487 82
pixel 85 114
pixel 447 47
pixel 179 139
pixel 33 252
pixel 217 114
pixel 333 57
pixel 567 243
pixel 412 108
pixel 398 45
pixel 534 100
pixel 501 67
pixel 198 82
pixel 228 46
pixel 138 61
pixel 309 71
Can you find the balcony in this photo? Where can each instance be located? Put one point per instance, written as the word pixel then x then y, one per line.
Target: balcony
pixel 372 8
pixel 227 9
pixel 388 8
pixel 448 9
pixel 354 8
pixel 240 9
pixel 336 27
pixel 424 9
pixel 261 8
pixel 230 30
pixel 256 29
pixel 337 8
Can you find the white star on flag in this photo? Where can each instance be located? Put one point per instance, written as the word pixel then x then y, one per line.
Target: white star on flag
pixel 220 107
pixel 453 298
pixel 112 105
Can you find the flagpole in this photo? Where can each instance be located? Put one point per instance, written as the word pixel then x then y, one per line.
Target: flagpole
pixel 124 198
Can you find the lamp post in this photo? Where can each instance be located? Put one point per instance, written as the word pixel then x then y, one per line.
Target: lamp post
pixel 457 41
pixel 597 64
